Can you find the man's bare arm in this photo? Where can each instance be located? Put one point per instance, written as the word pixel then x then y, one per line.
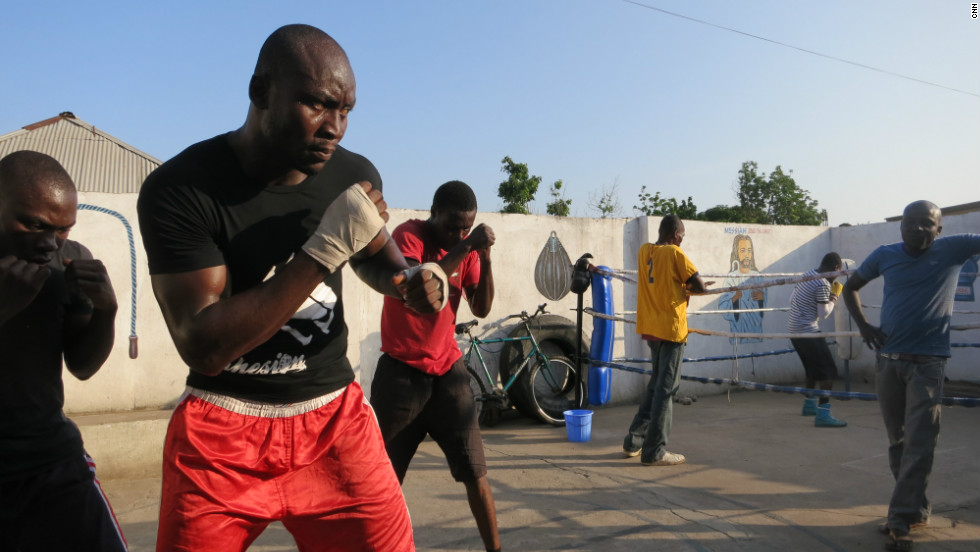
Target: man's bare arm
pixel 873 336
pixel 481 296
pixel 695 284
pixel 211 329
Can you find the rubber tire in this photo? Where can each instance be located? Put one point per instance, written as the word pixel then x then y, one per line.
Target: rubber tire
pixel 550 401
pixel 556 336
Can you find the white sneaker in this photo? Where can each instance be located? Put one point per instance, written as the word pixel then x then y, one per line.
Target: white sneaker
pixel 631 453
pixel 669 459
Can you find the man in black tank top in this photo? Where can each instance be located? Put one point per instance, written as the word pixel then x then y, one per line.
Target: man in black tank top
pixel 245 236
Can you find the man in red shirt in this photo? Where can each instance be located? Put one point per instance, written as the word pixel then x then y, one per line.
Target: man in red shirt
pixel 421 385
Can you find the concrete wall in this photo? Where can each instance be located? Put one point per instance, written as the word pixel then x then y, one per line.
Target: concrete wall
pixel 156 378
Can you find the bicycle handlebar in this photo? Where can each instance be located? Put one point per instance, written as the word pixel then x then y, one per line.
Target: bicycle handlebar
pixel 465 327
pixel 525 316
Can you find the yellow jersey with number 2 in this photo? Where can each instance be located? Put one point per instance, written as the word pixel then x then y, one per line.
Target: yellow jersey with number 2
pixel 661 301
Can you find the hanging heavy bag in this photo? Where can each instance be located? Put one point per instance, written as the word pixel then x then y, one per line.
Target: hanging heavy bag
pixel 553 271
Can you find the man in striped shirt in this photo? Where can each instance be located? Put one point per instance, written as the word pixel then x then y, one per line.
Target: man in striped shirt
pixel 812 301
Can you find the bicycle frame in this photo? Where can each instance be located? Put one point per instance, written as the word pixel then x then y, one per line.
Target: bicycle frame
pixel 475 342
pixel 544 399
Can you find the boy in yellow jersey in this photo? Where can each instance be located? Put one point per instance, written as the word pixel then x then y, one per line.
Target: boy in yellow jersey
pixel 667 277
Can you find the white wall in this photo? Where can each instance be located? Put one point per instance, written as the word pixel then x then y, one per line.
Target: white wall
pixel 156 378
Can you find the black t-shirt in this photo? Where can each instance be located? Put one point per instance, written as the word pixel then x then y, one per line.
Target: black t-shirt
pixel 199 210
pixel 34 432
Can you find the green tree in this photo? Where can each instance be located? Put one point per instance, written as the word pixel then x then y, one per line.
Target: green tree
pixel 519 188
pixel 606 202
pixel 656 206
pixel 776 199
pixel 724 213
pixel 559 206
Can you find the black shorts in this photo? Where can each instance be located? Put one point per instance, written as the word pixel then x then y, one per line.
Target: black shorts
pixel 410 404
pixel 62 508
pixel 818 362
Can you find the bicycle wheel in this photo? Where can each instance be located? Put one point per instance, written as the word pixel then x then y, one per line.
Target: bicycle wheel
pixel 552 390
pixel 556 336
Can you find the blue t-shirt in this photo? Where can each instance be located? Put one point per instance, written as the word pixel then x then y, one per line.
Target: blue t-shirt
pixel 918 295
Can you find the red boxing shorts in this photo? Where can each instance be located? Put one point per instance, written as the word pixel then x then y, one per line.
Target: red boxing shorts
pixel 318 467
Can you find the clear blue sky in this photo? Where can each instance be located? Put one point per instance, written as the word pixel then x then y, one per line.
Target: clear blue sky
pixel 598 93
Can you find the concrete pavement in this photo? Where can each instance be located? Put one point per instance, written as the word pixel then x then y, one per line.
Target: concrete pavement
pixel 759 478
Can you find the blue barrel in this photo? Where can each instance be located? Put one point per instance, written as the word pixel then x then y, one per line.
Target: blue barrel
pixel 603 333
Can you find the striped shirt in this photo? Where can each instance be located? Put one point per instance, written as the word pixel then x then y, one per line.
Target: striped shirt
pixel 803 304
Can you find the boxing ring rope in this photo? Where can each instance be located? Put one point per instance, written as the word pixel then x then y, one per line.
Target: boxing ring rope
pixel 777 279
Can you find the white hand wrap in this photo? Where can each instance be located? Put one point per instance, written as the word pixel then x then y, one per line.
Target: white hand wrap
pixel 347 226
pixel 438 274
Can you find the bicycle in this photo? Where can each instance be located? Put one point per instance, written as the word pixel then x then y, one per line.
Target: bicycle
pixel 542 385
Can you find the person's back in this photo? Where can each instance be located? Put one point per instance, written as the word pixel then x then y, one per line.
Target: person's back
pixel 661 301
pixel 803 315
pixel 666 278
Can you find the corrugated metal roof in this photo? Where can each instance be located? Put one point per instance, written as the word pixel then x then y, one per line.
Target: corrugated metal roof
pixel 96 161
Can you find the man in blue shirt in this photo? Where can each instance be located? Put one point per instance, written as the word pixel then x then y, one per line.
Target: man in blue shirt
pixel 913 345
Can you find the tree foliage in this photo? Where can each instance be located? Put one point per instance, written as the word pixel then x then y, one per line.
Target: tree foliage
pixel 606 202
pixel 656 206
pixel 775 199
pixel 559 206
pixel 723 213
pixel 519 189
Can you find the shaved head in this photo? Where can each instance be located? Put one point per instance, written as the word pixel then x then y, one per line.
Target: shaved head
pixel 301 92
pixel 293 48
pixel 38 204
pixel 924 206
pixel 922 221
pixel 669 225
pixel 25 172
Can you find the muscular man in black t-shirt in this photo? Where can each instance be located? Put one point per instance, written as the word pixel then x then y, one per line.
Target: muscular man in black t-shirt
pixel 56 303
pixel 245 236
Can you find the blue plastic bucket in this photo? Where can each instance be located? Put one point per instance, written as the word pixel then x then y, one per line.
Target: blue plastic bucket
pixel 578 424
